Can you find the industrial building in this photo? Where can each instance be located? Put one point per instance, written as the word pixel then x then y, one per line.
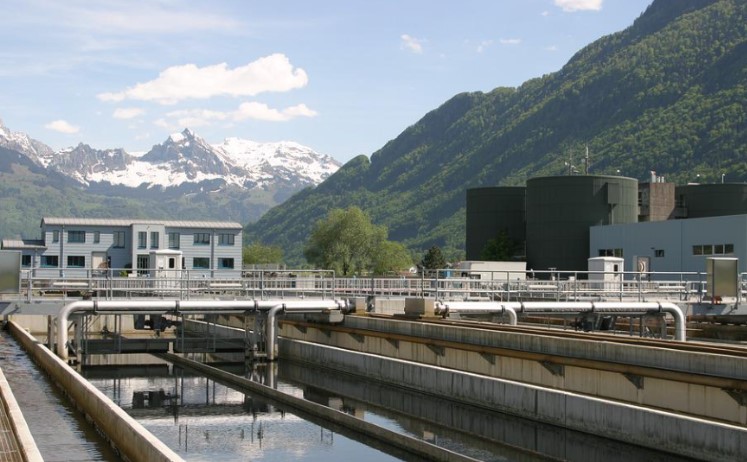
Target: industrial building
pixel 653 226
pixel 73 246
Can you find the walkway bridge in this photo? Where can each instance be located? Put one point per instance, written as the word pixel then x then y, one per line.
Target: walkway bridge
pixel 96 300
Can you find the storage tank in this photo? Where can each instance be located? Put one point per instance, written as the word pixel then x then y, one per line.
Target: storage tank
pixel 560 210
pixel 712 200
pixel 492 210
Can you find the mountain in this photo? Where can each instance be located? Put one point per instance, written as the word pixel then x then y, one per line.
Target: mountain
pixel 184 177
pixel 22 143
pixel 668 94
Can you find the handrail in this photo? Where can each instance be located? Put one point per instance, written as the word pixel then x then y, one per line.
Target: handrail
pixel 460 285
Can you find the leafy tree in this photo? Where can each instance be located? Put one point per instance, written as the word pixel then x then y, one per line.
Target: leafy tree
pixel 391 256
pixel 346 241
pixel 433 259
pixel 259 254
pixel 501 248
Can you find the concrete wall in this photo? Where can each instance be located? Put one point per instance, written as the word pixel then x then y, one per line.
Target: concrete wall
pixel 669 432
pixel 128 436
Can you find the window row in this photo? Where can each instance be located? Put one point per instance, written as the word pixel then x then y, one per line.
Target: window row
pixel 204 263
pixel 611 253
pixel 118 237
pixel 53 261
pixel 79 261
pixel 713 249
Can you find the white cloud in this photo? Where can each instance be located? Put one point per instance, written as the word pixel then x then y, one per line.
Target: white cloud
pixel 272 73
pixel 510 41
pixel 412 44
pixel 552 48
pixel 261 111
pixel 545 13
pixel 193 118
pixel 62 126
pixel 483 45
pixel 127 113
pixel 579 5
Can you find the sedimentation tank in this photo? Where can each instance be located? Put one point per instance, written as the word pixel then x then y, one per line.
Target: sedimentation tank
pixel 492 210
pixel 560 210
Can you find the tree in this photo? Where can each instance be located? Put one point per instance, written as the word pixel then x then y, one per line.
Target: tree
pixel 259 254
pixel 501 248
pixel 433 259
pixel 391 257
pixel 344 241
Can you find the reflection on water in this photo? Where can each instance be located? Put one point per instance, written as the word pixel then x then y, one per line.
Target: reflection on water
pixel 201 419
pixel 60 432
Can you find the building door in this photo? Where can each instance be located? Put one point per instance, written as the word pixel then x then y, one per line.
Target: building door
pixel 98 261
pixel 143 261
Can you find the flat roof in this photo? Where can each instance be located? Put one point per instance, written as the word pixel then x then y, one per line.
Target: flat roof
pixel 20 244
pixel 134 221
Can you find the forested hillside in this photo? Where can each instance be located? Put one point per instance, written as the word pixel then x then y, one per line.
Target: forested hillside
pixel 667 94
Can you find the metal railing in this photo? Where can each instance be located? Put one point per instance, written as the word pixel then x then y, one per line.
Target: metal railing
pixel 445 284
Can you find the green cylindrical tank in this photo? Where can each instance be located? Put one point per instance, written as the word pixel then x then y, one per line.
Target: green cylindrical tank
pixel 560 210
pixel 493 210
pixel 712 200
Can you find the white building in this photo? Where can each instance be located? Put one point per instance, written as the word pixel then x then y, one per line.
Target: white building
pixel 673 245
pixel 76 246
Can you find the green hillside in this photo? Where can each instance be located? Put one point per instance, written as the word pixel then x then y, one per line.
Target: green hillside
pixel 667 94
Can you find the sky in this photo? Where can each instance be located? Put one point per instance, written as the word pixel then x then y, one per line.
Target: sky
pixel 340 76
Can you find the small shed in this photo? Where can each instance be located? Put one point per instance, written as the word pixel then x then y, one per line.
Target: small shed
pixel 165 264
pixel 606 273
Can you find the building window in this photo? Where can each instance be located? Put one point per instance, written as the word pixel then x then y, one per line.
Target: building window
pixel 119 239
pixel 142 239
pixel 77 237
pixel 49 261
pixel 96 237
pixel 611 253
pixel 201 263
pixel 713 249
pixel 226 239
pixel 154 239
pixel 202 239
pixel 55 236
pixel 659 253
pixel 26 261
pixel 76 261
pixel 174 240
pixel 225 263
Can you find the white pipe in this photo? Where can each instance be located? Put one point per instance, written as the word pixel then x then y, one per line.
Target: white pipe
pixel 295 306
pixel 175 307
pixel 628 308
pixel 270 331
pixel 477 308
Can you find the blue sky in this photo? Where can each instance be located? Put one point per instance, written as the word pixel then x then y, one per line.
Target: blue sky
pixel 340 76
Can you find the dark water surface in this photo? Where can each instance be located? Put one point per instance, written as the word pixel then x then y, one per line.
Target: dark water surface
pixel 61 432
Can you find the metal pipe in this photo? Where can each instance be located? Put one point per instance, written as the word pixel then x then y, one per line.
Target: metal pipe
pixel 477 308
pixel 294 306
pixel 176 307
pixel 270 331
pixel 627 308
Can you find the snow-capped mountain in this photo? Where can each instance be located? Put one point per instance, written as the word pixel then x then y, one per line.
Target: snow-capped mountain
pixel 24 144
pixel 184 177
pixel 185 158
